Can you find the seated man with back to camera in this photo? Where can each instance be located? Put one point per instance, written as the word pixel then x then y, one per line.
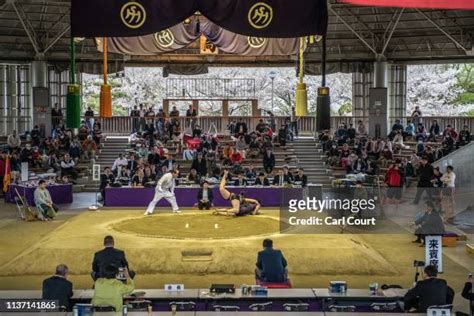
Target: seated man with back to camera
pixel 430 291
pixel 109 290
pixel 109 256
pixel 271 264
pixel 59 288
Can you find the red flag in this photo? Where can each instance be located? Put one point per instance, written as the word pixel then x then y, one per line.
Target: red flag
pixel 421 4
pixel 7 176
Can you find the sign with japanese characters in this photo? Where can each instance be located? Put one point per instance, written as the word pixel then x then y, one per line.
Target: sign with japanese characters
pixel 434 251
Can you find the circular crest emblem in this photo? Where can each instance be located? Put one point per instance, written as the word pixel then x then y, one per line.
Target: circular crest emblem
pixel 133 14
pixel 164 38
pixel 260 15
pixel 256 42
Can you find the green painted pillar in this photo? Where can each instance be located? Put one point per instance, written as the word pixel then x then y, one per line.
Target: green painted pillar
pixel 73 98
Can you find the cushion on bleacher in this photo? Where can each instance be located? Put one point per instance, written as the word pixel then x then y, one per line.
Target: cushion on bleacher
pixel 275 285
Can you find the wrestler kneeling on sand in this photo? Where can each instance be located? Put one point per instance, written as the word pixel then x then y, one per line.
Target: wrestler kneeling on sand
pixel 165 189
pixel 241 205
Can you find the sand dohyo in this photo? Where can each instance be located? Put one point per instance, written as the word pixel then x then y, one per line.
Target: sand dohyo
pixel 198 226
pixel 162 250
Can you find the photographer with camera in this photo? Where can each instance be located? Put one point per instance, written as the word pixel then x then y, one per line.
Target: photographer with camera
pixel 428 292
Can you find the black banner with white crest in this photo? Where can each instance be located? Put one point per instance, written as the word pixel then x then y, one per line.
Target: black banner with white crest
pixel 259 18
pixel 98 18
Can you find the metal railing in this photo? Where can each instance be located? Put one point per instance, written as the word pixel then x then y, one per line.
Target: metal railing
pixel 209 88
pixel 306 124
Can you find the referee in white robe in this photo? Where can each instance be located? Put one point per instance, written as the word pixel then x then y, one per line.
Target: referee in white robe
pixel 165 189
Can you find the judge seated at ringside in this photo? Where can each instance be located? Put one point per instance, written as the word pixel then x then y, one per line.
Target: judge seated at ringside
pixel 271 264
pixel 205 196
pixel 430 291
pixel 109 256
pixel 46 208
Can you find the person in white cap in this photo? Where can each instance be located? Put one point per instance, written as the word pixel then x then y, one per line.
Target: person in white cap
pixel 165 189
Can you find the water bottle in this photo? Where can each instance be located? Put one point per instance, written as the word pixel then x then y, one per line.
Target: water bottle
pixel 75 311
pixel 124 310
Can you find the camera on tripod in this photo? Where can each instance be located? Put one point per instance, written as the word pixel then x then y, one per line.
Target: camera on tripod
pixel 417 264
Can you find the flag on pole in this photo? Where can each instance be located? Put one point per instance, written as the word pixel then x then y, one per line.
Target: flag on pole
pixel 420 4
pixel 7 176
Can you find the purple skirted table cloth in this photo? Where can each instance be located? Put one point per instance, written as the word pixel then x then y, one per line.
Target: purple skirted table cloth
pixel 60 194
pixel 187 196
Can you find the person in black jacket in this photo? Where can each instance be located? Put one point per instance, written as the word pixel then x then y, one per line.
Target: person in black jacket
pixel 428 292
pixel 301 178
pixel 425 175
pixel 268 160
pixel 106 179
pixel 205 196
pixel 109 256
pixel 467 293
pixel 262 180
pixel 240 128
pixel 199 163
pixel 430 223
pixel 271 264
pixel 59 288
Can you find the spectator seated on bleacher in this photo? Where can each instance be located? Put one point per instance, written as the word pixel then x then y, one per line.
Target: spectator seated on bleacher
pixel 447 144
pixel 241 146
pixel 35 135
pixel 361 130
pixel 75 151
pixel 396 128
pixel 301 178
pixel 83 132
pixel 386 156
pixel 123 175
pixel 119 162
pixel 262 180
pixel 13 142
pixel 150 172
pixel 240 128
pixel 97 133
pixel 236 158
pixel 430 291
pixel 341 134
pixel 420 132
pixel 360 165
pixel 271 264
pixel 59 288
pixel 89 148
pixel 139 179
pixel 464 137
pixel 200 164
pixel 283 178
pixel 240 181
pixel 68 167
pixel 435 130
pixel 410 129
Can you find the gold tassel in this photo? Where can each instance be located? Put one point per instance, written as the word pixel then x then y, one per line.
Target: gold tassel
pixel 105 89
pixel 301 91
